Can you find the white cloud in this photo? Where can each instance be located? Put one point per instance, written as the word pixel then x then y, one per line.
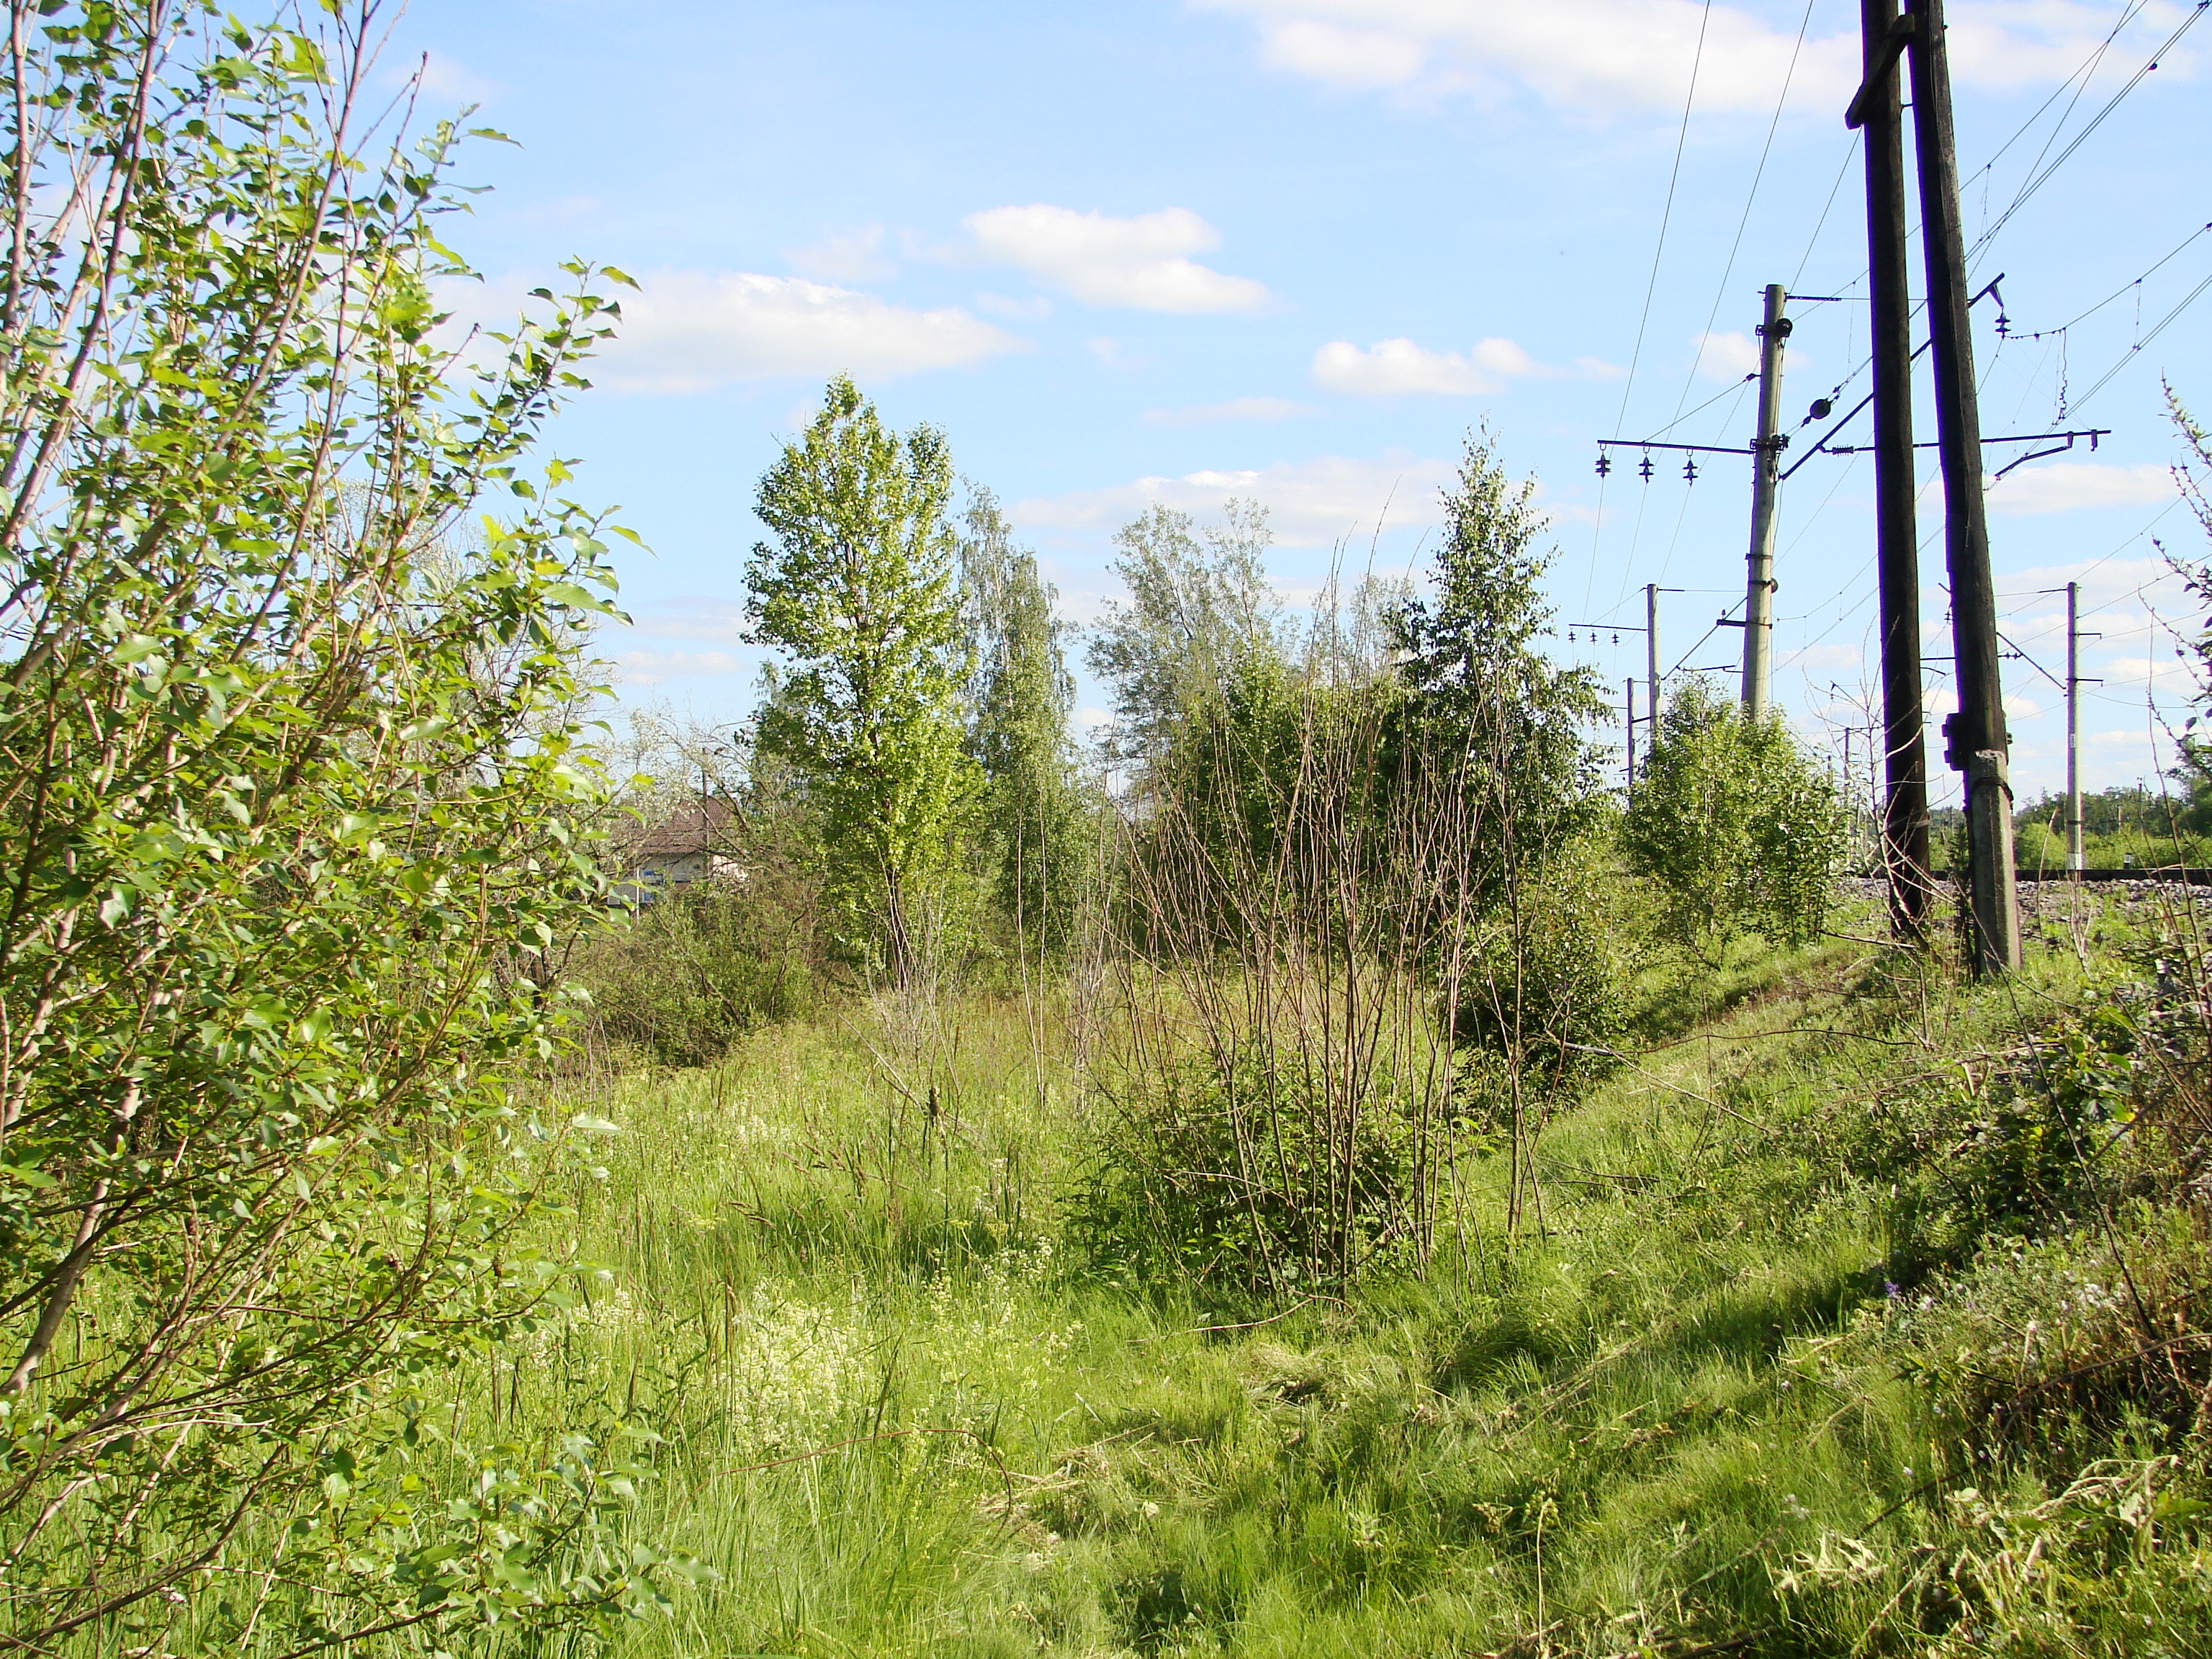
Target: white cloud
pixel 2159 673
pixel 2138 738
pixel 1311 503
pixel 1139 264
pixel 845 256
pixel 1614 56
pixel 1605 56
pixel 1237 409
pixel 1035 309
pixel 652 667
pixel 1360 59
pixel 691 616
pixel 2016 43
pixel 447 81
pixel 1112 353
pixel 1726 356
pixel 2061 485
pixel 696 330
pixel 1395 368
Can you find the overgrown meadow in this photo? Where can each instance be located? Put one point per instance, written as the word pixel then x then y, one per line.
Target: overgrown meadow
pixel 1328 1169
pixel 1858 1317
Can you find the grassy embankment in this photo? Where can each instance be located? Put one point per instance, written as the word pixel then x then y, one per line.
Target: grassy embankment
pixel 1759 1383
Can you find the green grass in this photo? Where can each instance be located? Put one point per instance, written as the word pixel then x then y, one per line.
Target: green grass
pixel 1681 1415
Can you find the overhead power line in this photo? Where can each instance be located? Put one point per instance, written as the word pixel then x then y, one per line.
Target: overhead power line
pixel 2082 72
pixel 1666 213
pixel 1750 200
pixel 2042 175
pixel 1650 288
pixel 2117 293
pixel 2157 329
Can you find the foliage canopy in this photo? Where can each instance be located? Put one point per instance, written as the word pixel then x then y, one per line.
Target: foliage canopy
pixel 858 589
pixel 1734 824
pixel 288 817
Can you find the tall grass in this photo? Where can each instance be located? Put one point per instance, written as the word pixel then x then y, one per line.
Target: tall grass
pixel 1697 1411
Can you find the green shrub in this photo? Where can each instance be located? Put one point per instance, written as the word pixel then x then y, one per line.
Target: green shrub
pixel 1236 1175
pixel 2100 1328
pixel 1547 991
pixel 1734 824
pixel 684 978
pixel 293 801
pixel 2016 1144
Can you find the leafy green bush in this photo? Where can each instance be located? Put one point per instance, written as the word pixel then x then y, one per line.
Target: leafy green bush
pixel 1217 1173
pixel 2102 1328
pixel 1734 824
pixel 1547 992
pixel 2016 1144
pixel 687 976
pixel 291 809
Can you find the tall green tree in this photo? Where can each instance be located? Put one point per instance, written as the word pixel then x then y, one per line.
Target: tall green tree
pixel 1738 828
pixel 1491 723
pixel 1032 819
pixel 1198 600
pixel 858 589
pixel 1482 697
pixel 290 801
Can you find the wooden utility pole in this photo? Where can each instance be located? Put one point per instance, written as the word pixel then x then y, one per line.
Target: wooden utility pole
pixel 1980 747
pixel 1651 656
pixel 1766 464
pixel 2073 861
pixel 1878 109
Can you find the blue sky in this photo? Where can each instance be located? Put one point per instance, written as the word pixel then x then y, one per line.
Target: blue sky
pixel 1296 249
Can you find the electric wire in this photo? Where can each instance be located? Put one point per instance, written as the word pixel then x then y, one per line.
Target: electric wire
pixel 2040 174
pixel 1821 223
pixel 1650 290
pixel 1666 215
pixel 2119 292
pixel 1690 414
pixel 2044 174
pixel 2083 73
pixel 1667 561
pixel 2157 329
pixel 1750 200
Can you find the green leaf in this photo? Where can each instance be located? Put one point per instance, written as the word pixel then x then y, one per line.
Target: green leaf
pixel 135 649
pixel 575 597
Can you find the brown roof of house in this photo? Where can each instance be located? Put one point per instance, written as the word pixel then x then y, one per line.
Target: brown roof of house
pixel 695 826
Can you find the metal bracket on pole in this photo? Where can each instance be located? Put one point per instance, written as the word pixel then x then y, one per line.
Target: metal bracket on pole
pixel 1991 766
